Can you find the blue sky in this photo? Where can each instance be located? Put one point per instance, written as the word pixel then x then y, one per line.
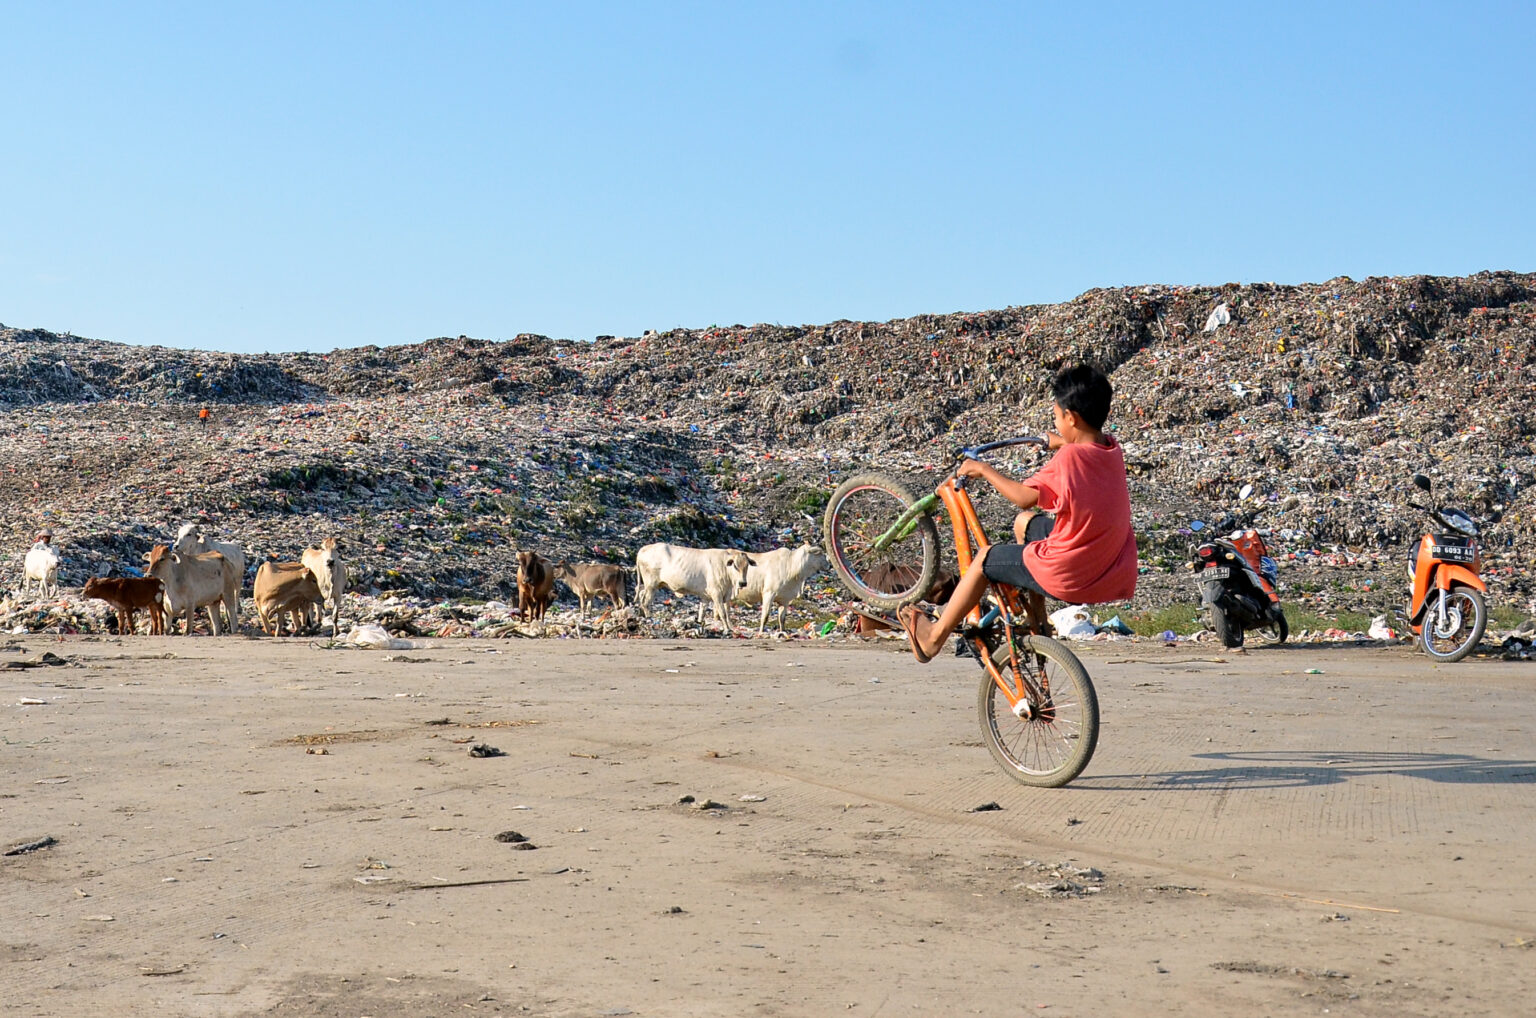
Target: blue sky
pixel 282 176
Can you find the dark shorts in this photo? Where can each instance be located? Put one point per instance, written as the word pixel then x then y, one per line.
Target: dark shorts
pixel 1005 562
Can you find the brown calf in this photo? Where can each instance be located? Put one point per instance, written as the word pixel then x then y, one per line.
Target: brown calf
pixel 128 595
pixel 535 585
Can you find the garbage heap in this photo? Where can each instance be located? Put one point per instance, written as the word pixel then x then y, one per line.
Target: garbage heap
pixel 435 462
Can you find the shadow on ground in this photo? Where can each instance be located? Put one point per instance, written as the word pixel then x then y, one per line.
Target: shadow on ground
pixel 1281 769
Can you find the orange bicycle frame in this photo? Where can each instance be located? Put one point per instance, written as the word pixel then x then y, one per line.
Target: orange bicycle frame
pixel 967 529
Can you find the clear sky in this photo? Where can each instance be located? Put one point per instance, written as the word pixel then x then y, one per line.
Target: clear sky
pixel 280 176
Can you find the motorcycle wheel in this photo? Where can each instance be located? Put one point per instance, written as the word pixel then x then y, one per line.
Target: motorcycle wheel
pixel 1227 631
pixel 1275 632
pixel 1466 619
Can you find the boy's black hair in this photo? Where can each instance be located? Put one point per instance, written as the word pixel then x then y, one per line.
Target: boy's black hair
pixel 1086 392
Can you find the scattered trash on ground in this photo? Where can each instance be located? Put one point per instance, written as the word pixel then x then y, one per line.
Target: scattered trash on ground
pixel 33 846
pixel 1062 880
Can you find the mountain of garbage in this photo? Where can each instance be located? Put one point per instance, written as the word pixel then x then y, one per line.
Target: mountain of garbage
pixel 437 461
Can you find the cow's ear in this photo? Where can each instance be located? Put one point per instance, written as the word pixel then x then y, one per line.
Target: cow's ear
pixel 750 561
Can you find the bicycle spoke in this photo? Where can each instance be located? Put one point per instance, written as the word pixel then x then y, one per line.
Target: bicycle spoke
pixel 1054 743
pixel 881 559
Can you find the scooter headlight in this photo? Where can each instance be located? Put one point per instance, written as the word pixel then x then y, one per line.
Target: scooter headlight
pixel 1459 521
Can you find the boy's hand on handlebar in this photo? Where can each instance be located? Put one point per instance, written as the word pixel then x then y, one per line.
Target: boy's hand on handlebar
pixel 971 468
pixel 1054 441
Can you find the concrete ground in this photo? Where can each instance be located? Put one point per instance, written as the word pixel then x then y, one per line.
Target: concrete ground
pixel 262 827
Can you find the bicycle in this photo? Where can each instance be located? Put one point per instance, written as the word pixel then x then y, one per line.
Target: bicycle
pixel 1037 706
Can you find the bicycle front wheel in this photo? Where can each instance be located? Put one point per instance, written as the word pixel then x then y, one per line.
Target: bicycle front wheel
pixel 1051 742
pixel 899 571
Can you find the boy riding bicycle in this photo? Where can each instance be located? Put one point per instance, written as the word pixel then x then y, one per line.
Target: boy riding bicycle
pixel 1087 554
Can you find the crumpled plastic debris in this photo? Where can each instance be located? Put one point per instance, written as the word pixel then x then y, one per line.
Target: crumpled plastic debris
pixel 1073 623
pixel 1222 315
pixel 372 636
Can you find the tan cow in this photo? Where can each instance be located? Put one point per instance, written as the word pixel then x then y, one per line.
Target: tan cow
pixel 196 581
pixel 330 573
pixel 190 540
pixel 589 579
pixel 284 588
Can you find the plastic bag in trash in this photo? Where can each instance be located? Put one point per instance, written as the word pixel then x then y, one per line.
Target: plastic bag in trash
pixel 1221 316
pixel 1117 626
pixel 1073 622
pixel 1380 630
pixel 372 636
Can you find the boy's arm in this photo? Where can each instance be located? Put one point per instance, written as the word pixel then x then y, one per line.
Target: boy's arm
pixel 1017 492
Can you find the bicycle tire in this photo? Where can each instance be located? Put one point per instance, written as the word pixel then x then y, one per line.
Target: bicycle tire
pixel 862 509
pixel 1048 750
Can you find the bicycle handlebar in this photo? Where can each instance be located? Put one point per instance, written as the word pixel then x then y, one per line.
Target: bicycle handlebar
pixel 976 452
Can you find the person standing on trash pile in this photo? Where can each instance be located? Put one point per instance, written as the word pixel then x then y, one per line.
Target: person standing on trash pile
pixel 1087 553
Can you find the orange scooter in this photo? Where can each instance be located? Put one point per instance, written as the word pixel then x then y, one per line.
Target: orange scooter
pixel 1446 608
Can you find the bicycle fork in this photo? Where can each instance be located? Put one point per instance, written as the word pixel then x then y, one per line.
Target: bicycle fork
pixel 906 523
pixel 1021 691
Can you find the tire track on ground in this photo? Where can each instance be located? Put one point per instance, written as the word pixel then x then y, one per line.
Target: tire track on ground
pixel 993 823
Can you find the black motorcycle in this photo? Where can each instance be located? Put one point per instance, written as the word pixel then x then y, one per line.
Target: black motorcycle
pixel 1238 581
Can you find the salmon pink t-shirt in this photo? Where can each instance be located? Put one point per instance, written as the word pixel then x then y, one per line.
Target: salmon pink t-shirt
pixel 1090 555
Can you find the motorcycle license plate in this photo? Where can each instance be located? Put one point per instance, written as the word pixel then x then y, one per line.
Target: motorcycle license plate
pixel 1214 573
pixel 1453 552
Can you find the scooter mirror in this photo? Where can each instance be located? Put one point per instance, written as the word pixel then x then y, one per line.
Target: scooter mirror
pixel 1421 481
pixel 1197 525
pixel 1244 492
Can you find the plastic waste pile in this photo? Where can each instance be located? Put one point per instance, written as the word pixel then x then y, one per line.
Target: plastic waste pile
pixel 434 463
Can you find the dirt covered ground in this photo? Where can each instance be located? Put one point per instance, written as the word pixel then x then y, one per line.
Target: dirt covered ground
pixel 248 827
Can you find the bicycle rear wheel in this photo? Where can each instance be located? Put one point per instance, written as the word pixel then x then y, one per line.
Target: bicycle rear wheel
pixel 860 511
pixel 1054 743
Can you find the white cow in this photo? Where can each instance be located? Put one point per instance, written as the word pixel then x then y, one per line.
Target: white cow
pixel 778 577
pixel 190 540
pixel 712 574
pixel 42 565
pixel 196 581
pixel 330 572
